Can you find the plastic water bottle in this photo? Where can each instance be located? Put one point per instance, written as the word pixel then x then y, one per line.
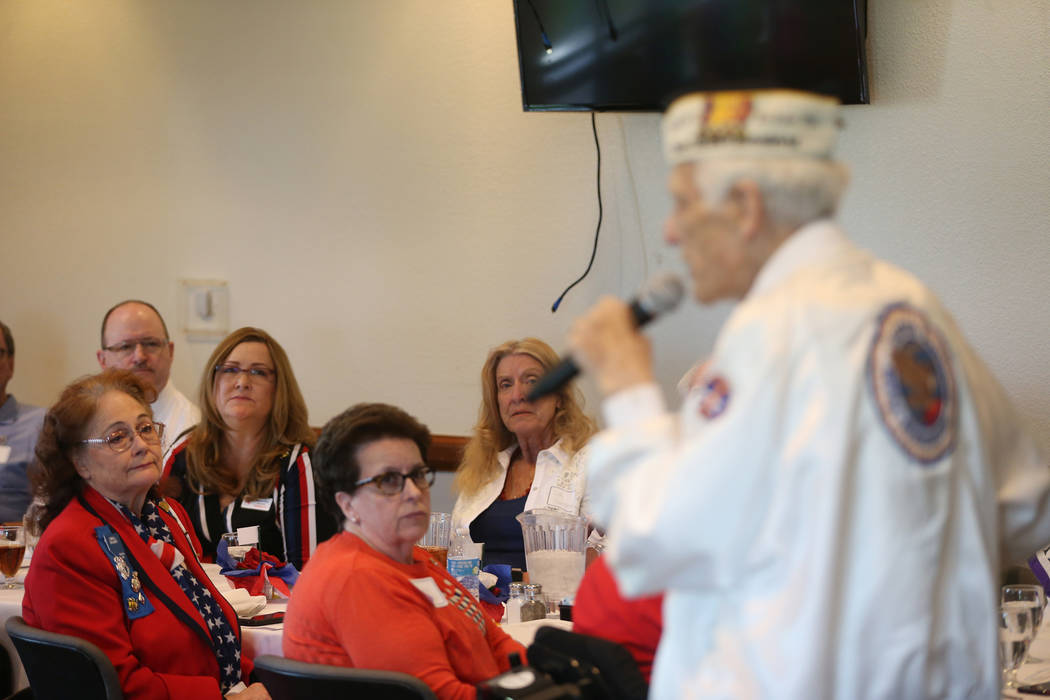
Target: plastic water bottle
pixel 464 560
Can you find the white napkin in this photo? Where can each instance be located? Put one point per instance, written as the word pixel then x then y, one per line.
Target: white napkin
pixel 244 604
pixel 221 583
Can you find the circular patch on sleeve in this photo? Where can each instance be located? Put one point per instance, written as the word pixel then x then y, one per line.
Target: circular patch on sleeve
pixel 715 397
pixel 911 379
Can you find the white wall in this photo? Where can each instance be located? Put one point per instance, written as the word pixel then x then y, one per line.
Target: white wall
pixel 363 175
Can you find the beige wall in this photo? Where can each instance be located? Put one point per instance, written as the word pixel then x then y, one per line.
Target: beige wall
pixel 364 177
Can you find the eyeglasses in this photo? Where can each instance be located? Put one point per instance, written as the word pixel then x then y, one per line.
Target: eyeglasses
pixel 121 438
pixel 150 346
pixel 231 371
pixel 393 483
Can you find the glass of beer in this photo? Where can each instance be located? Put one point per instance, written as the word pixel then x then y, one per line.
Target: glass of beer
pixel 12 550
pixel 436 539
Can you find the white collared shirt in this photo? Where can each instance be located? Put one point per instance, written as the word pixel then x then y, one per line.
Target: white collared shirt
pixel 560 483
pixel 176 412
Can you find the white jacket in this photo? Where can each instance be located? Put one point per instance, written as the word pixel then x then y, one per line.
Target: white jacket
pixel 829 508
pixel 560 483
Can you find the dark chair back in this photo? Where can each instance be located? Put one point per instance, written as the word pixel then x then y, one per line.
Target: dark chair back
pixel 286 679
pixel 59 666
pixel 602 669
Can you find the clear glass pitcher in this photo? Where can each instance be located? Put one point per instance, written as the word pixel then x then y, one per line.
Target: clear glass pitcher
pixel 555 551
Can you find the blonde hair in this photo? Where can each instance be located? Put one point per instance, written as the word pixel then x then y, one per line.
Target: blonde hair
pixel 287 425
pixel 571 425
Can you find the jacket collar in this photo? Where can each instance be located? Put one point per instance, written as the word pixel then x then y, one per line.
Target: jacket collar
pixel 151 568
pixel 812 244
pixel 556 451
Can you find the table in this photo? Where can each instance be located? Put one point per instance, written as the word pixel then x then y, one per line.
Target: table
pixel 255 641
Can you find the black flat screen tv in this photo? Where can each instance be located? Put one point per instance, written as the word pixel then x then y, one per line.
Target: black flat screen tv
pixel 637 55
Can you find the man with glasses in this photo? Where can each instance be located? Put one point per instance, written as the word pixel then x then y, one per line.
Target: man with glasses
pixel 135 337
pixel 19 427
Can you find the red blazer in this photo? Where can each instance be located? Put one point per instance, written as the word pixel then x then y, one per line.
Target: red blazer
pixel 72 588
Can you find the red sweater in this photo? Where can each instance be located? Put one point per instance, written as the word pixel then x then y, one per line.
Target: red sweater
pixel 601 611
pixel 354 606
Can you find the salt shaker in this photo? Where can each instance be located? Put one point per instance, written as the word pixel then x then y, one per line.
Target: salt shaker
pixel 515 598
pixel 533 608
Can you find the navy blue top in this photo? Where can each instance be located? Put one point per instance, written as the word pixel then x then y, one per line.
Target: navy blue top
pixel 501 533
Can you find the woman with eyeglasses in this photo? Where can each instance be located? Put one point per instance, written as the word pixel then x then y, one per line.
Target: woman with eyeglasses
pixel 370 598
pixel 247 462
pixel 115 563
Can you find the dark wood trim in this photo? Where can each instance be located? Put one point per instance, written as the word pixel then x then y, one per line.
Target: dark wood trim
pixel 445 451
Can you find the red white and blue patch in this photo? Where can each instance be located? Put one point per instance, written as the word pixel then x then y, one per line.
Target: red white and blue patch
pixel 911 378
pixel 714 397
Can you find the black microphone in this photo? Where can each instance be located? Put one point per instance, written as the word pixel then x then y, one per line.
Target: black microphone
pixel 659 295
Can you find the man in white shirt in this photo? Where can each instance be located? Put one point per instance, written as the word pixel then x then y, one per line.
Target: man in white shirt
pixel 829 510
pixel 135 337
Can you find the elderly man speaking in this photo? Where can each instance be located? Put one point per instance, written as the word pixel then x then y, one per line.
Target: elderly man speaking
pixel 829 509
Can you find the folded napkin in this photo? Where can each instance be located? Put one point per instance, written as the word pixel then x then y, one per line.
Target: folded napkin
pixel 257 569
pixel 244 604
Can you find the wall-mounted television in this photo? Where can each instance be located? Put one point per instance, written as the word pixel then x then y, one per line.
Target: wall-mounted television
pixel 637 55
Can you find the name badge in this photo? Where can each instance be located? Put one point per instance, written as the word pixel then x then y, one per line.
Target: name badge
pixel 429 588
pixel 5 453
pixel 262 504
pixel 562 499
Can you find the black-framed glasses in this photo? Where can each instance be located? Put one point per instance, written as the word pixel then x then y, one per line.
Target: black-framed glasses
pixel 393 483
pixel 120 438
pixel 150 346
pixel 230 372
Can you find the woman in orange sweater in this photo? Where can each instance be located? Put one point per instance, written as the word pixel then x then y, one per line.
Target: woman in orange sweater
pixel 369 598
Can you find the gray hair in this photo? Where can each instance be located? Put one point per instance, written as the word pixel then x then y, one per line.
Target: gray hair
pixel 795 191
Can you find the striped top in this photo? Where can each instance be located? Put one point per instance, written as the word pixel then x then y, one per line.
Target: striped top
pixel 291 524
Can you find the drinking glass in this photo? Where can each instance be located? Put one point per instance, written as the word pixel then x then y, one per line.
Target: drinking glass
pixel 12 550
pixel 236 550
pixel 1035 597
pixel 435 541
pixel 1016 630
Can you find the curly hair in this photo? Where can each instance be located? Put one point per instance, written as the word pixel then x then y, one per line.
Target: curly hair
pixel 335 456
pixel 571 425
pixel 288 424
pixel 54 478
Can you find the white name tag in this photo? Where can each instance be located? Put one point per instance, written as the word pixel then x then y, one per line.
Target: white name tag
pixel 428 587
pixel 5 453
pixel 262 504
pixel 562 499
pixel 248 535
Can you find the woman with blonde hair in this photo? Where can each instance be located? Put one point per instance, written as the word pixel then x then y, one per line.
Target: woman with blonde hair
pixel 523 454
pixel 247 462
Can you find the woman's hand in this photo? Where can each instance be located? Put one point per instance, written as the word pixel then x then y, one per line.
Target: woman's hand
pixel 256 691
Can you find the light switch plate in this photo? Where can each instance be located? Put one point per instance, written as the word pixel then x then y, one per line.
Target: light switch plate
pixel 204 309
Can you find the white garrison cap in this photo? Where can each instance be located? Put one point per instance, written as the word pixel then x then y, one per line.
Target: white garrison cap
pixel 750 124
